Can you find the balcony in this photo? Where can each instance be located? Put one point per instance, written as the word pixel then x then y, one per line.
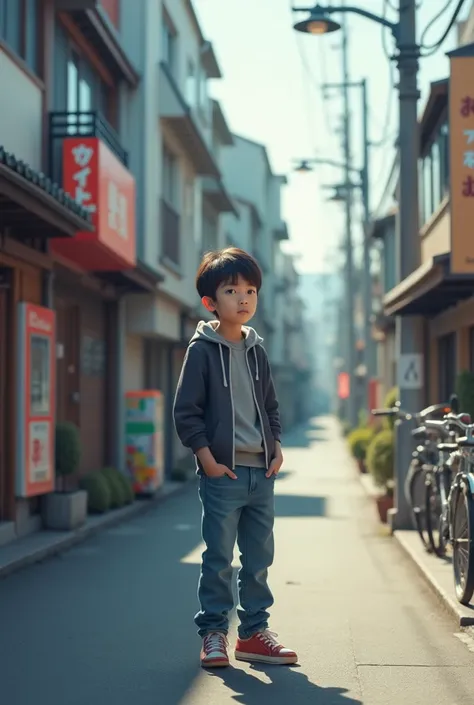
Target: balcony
pixel 216 193
pixel 170 236
pixel 177 116
pixel 281 231
pixel 94 23
pixel 82 124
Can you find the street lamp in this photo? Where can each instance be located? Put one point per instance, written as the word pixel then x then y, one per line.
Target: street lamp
pixel 318 22
pixel 409 329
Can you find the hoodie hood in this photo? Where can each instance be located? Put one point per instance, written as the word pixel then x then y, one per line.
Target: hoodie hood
pixel 208 330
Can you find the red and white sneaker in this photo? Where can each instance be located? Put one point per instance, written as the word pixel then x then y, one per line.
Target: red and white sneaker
pixel 265 648
pixel 214 650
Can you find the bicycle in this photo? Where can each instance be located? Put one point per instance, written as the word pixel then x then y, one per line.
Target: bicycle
pixel 457 519
pixel 439 480
pixel 424 456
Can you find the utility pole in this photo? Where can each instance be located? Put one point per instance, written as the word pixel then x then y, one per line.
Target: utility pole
pixel 369 345
pixel 349 269
pixel 408 329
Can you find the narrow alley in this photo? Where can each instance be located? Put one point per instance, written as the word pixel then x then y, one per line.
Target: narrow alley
pixel 111 621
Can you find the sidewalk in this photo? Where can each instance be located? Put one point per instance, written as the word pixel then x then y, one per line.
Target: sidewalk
pixel 43 544
pixel 119 607
pixel 438 573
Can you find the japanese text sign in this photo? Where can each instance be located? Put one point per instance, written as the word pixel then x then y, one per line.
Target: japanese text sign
pixel 35 427
pixel 98 181
pixel 461 142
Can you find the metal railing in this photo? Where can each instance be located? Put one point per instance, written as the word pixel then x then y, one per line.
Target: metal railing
pixel 81 124
pixel 170 232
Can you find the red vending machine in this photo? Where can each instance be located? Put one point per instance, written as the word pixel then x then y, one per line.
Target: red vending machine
pixel 35 401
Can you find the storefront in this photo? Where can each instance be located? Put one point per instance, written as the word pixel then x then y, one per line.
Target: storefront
pixel 445 302
pixel 33 211
pixel 90 276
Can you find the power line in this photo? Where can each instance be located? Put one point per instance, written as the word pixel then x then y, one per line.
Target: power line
pixel 433 48
pixel 433 21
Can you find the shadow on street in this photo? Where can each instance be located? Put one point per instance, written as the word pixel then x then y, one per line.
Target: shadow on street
pixel 110 621
pixel 304 436
pixel 287 684
pixel 296 506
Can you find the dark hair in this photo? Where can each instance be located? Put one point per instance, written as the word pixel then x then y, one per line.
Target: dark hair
pixel 225 266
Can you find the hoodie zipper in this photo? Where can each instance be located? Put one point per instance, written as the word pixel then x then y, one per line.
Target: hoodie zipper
pixel 258 410
pixel 233 408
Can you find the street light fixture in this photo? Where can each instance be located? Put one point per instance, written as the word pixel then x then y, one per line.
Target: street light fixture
pixel 318 22
pixel 409 330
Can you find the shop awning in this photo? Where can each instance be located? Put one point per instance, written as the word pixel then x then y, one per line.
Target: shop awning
pixel 34 206
pixel 430 289
pixel 138 280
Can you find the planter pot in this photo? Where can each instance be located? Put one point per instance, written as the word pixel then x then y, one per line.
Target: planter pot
pixel 384 503
pixel 362 467
pixel 65 511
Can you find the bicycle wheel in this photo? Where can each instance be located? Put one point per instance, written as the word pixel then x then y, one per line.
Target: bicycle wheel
pixel 463 546
pixel 415 493
pixel 433 511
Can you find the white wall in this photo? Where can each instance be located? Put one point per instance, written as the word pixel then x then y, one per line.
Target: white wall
pixel 134 376
pixel 21 117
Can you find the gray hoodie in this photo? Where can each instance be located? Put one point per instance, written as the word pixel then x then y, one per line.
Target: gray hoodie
pixel 213 405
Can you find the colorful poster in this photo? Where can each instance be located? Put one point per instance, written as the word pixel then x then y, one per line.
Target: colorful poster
pixel 36 400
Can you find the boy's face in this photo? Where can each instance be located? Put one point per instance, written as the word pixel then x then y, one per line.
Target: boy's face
pixel 234 303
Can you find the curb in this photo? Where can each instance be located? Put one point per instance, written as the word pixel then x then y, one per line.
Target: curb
pixel 139 508
pixel 437 574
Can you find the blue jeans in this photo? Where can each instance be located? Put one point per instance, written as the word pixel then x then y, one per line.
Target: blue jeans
pixel 241 510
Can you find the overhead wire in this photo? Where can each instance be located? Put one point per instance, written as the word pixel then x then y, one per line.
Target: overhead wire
pixel 433 48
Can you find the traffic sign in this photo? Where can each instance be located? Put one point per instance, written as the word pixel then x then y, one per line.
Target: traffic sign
pixel 410 371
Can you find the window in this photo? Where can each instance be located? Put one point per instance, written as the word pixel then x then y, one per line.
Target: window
pixel 85 90
pixel 169 190
pixel 434 173
pixel 447 366
pixel 427 189
pixel 191 87
pixel 203 97
pixel 169 44
pixel 19 23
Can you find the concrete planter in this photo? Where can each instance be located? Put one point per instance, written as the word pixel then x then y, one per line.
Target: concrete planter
pixel 384 504
pixel 65 511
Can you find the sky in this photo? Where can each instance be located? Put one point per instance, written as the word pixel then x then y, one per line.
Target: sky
pixel 270 92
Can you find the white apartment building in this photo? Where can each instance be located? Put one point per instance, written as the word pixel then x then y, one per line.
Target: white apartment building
pixel 178 133
pixel 258 226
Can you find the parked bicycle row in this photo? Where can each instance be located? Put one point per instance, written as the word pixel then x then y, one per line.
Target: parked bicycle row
pixel 439 486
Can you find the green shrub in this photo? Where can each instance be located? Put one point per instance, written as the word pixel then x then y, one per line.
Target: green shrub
pixel 68 449
pixel 465 392
pixel 358 441
pixel 346 428
pixel 390 400
pixel 380 459
pixel 98 492
pixel 116 487
pixel 127 487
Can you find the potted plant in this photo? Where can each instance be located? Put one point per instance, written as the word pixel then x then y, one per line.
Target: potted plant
pixel 465 392
pixel 65 510
pixel 380 458
pixel 358 441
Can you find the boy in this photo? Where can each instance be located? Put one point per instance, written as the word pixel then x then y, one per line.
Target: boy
pixel 226 411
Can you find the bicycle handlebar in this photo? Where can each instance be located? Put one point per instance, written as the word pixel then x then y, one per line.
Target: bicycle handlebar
pixel 450 420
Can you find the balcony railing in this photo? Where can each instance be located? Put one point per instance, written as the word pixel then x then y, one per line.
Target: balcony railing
pixel 170 232
pixel 80 124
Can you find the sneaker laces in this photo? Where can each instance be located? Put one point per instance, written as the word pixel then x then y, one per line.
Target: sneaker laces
pixel 269 639
pixel 216 641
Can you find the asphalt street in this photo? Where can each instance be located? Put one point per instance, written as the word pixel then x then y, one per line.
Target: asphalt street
pixel 110 622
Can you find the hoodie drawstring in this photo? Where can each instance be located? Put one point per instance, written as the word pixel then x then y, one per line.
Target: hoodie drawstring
pixel 224 377
pixel 256 363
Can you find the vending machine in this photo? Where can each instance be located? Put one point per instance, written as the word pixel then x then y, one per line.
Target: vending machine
pixel 144 440
pixel 35 432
